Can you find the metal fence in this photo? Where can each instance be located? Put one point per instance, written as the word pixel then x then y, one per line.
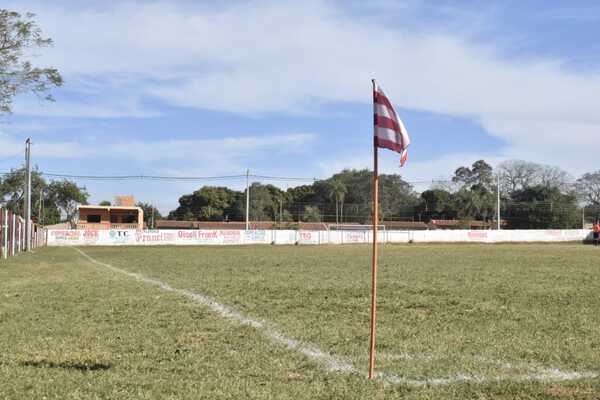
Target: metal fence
pixel 13 239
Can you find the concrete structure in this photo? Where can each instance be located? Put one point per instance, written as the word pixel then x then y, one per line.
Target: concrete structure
pixel 110 217
pixel 124 201
pixel 130 237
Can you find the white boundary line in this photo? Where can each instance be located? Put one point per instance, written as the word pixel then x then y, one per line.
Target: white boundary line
pixel 332 363
pixel 337 364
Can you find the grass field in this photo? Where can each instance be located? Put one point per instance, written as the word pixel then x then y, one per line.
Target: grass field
pixel 455 321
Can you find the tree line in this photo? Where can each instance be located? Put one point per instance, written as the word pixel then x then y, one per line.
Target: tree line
pixel 532 196
pixel 52 201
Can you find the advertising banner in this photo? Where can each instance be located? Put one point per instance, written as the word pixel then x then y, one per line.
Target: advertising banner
pixel 130 237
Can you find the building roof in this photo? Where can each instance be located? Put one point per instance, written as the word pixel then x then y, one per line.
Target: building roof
pixel 108 208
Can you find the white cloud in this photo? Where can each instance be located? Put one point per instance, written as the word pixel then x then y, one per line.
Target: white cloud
pixel 287 56
pixel 208 151
pixel 11 146
pixel 104 109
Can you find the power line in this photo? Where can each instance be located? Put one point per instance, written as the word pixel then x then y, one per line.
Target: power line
pixel 143 177
pixel 208 178
pixel 170 178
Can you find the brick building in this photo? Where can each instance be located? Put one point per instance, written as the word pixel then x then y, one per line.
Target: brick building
pixel 123 215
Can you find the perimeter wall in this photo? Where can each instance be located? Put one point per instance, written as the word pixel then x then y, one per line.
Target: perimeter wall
pixel 114 237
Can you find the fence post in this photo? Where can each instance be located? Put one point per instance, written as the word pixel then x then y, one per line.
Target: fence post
pixel 18 234
pixel 13 235
pixel 4 233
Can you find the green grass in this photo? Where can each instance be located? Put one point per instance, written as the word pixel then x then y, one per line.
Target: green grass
pixel 503 313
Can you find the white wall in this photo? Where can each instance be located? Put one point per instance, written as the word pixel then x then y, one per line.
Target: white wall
pixel 116 237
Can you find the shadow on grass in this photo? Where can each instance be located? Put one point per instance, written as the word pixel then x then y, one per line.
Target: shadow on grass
pixel 77 366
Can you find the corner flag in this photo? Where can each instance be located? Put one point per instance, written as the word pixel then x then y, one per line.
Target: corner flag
pixel 390 132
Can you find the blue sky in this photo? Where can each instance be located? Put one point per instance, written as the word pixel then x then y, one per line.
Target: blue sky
pixel 195 88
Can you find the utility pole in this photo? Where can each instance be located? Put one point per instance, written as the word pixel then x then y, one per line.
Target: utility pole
pixel 40 206
pixel 152 225
pixel 247 197
pixel 498 204
pixel 28 194
pixel 280 212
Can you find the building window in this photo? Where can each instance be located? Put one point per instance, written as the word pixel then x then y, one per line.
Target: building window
pixel 114 219
pixel 94 218
pixel 129 218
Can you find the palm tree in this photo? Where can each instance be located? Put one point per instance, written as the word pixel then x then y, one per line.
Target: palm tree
pixel 337 191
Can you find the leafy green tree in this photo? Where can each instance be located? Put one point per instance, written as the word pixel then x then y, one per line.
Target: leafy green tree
pixel 287 216
pixel 20 38
pixel 264 202
pixel 475 197
pixel 12 189
pixel 104 203
pixel 66 196
pixel 301 194
pixel 151 214
pixel 311 214
pixel 209 203
pixel 437 204
pixel 359 198
pixel 474 204
pixel 478 177
pixel 396 197
pixel 337 192
pixel 543 207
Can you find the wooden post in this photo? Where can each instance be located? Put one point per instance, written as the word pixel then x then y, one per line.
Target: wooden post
pixel 375 219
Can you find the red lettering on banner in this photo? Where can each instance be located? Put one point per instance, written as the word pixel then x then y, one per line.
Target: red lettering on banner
pixel 91 234
pixel 187 234
pixel 208 235
pixel 231 237
pixel 305 235
pixel 478 235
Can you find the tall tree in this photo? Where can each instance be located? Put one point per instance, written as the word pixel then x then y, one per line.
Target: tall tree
pixel 66 195
pixel 337 192
pixel 478 177
pixel 19 37
pixel 12 190
pixel 397 198
pixel 517 175
pixel 264 202
pixel 311 214
pixel 588 186
pixel 551 176
pixel 209 203
pixel 437 204
pixel 543 207
pixel 474 199
pixel 151 214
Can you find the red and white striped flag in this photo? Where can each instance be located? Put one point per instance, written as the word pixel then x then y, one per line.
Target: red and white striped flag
pixel 390 132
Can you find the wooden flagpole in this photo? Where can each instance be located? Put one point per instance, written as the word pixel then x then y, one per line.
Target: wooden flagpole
pixel 375 219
